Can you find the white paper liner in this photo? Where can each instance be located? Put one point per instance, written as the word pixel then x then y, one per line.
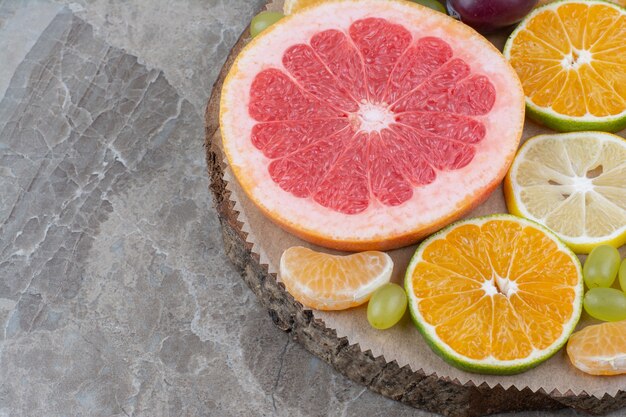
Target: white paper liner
pixel 403 343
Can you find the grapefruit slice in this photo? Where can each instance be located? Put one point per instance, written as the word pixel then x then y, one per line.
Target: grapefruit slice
pixel 498 294
pixel 369 124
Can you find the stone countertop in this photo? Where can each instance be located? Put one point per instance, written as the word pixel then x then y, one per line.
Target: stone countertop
pixel 116 298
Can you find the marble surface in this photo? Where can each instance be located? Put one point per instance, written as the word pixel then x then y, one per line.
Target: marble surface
pixel 116 298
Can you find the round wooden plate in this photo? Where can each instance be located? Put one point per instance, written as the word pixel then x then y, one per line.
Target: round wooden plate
pixel 428 392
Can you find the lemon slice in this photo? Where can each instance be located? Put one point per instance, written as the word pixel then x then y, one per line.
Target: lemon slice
pixel 573 183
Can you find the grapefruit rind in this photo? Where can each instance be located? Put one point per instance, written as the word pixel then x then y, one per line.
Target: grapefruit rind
pixel 547 116
pixel 437 204
pixel 580 245
pixel 490 365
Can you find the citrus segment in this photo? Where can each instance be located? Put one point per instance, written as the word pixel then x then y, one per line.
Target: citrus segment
pixel 517 313
pixel 468 333
pixel 370 129
pixel 599 349
pixel 570 80
pixel 573 183
pixel 435 280
pixel 330 282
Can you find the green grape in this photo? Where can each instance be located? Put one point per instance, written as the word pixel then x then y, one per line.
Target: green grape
pixel 622 275
pixel 606 304
pixel 262 21
pixel 433 4
pixel 387 306
pixel 601 267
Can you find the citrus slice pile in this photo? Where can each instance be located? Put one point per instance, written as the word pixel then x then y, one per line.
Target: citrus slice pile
pixel 498 294
pixel 369 124
pixel 330 282
pixel 571 58
pixel 573 183
pixel 599 349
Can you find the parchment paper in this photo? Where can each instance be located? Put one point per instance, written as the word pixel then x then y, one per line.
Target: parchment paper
pixel 403 343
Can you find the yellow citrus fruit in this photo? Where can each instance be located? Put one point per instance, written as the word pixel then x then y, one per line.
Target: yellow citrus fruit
pixel 573 183
pixel 599 349
pixel 497 294
pixel 331 282
pixel 571 59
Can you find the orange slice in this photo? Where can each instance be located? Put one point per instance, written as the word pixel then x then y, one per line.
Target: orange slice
pixel 498 294
pixel 599 349
pixel 571 59
pixel 331 282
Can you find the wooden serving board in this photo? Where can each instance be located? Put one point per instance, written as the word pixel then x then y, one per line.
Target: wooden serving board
pixel 444 395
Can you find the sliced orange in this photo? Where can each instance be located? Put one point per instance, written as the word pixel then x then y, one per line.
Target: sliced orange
pixel 331 282
pixel 599 349
pixel 571 58
pixel 497 294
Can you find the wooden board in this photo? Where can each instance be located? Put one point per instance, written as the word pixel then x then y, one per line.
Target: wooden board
pixel 441 395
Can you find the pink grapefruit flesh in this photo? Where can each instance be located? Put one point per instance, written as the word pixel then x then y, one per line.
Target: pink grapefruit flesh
pixel 362 124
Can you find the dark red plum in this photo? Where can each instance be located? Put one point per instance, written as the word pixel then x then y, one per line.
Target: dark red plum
pixel 489 15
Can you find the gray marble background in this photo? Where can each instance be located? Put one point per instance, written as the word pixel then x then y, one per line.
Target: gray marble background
pixel 116 298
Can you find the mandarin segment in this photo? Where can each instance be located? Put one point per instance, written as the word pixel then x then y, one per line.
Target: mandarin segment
pixel 509 339
pixel 574 17
pixel 501 237
pixel 600 17
pixel 571 99
pixel 559 310
pixel 611 36
pixel 469 333
pixel 555 267
pixel 331 282
pixel 470 242
pixel 430 280
pixel 533 247
pixel 548 27
pixel 442 253
pixel 526 45
pixel 599 349
pixel 602 99
pixel 552 290
pixel 547 94
pixel 615 76
pixel 535 73
pixel 441 308
pixel 541 330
